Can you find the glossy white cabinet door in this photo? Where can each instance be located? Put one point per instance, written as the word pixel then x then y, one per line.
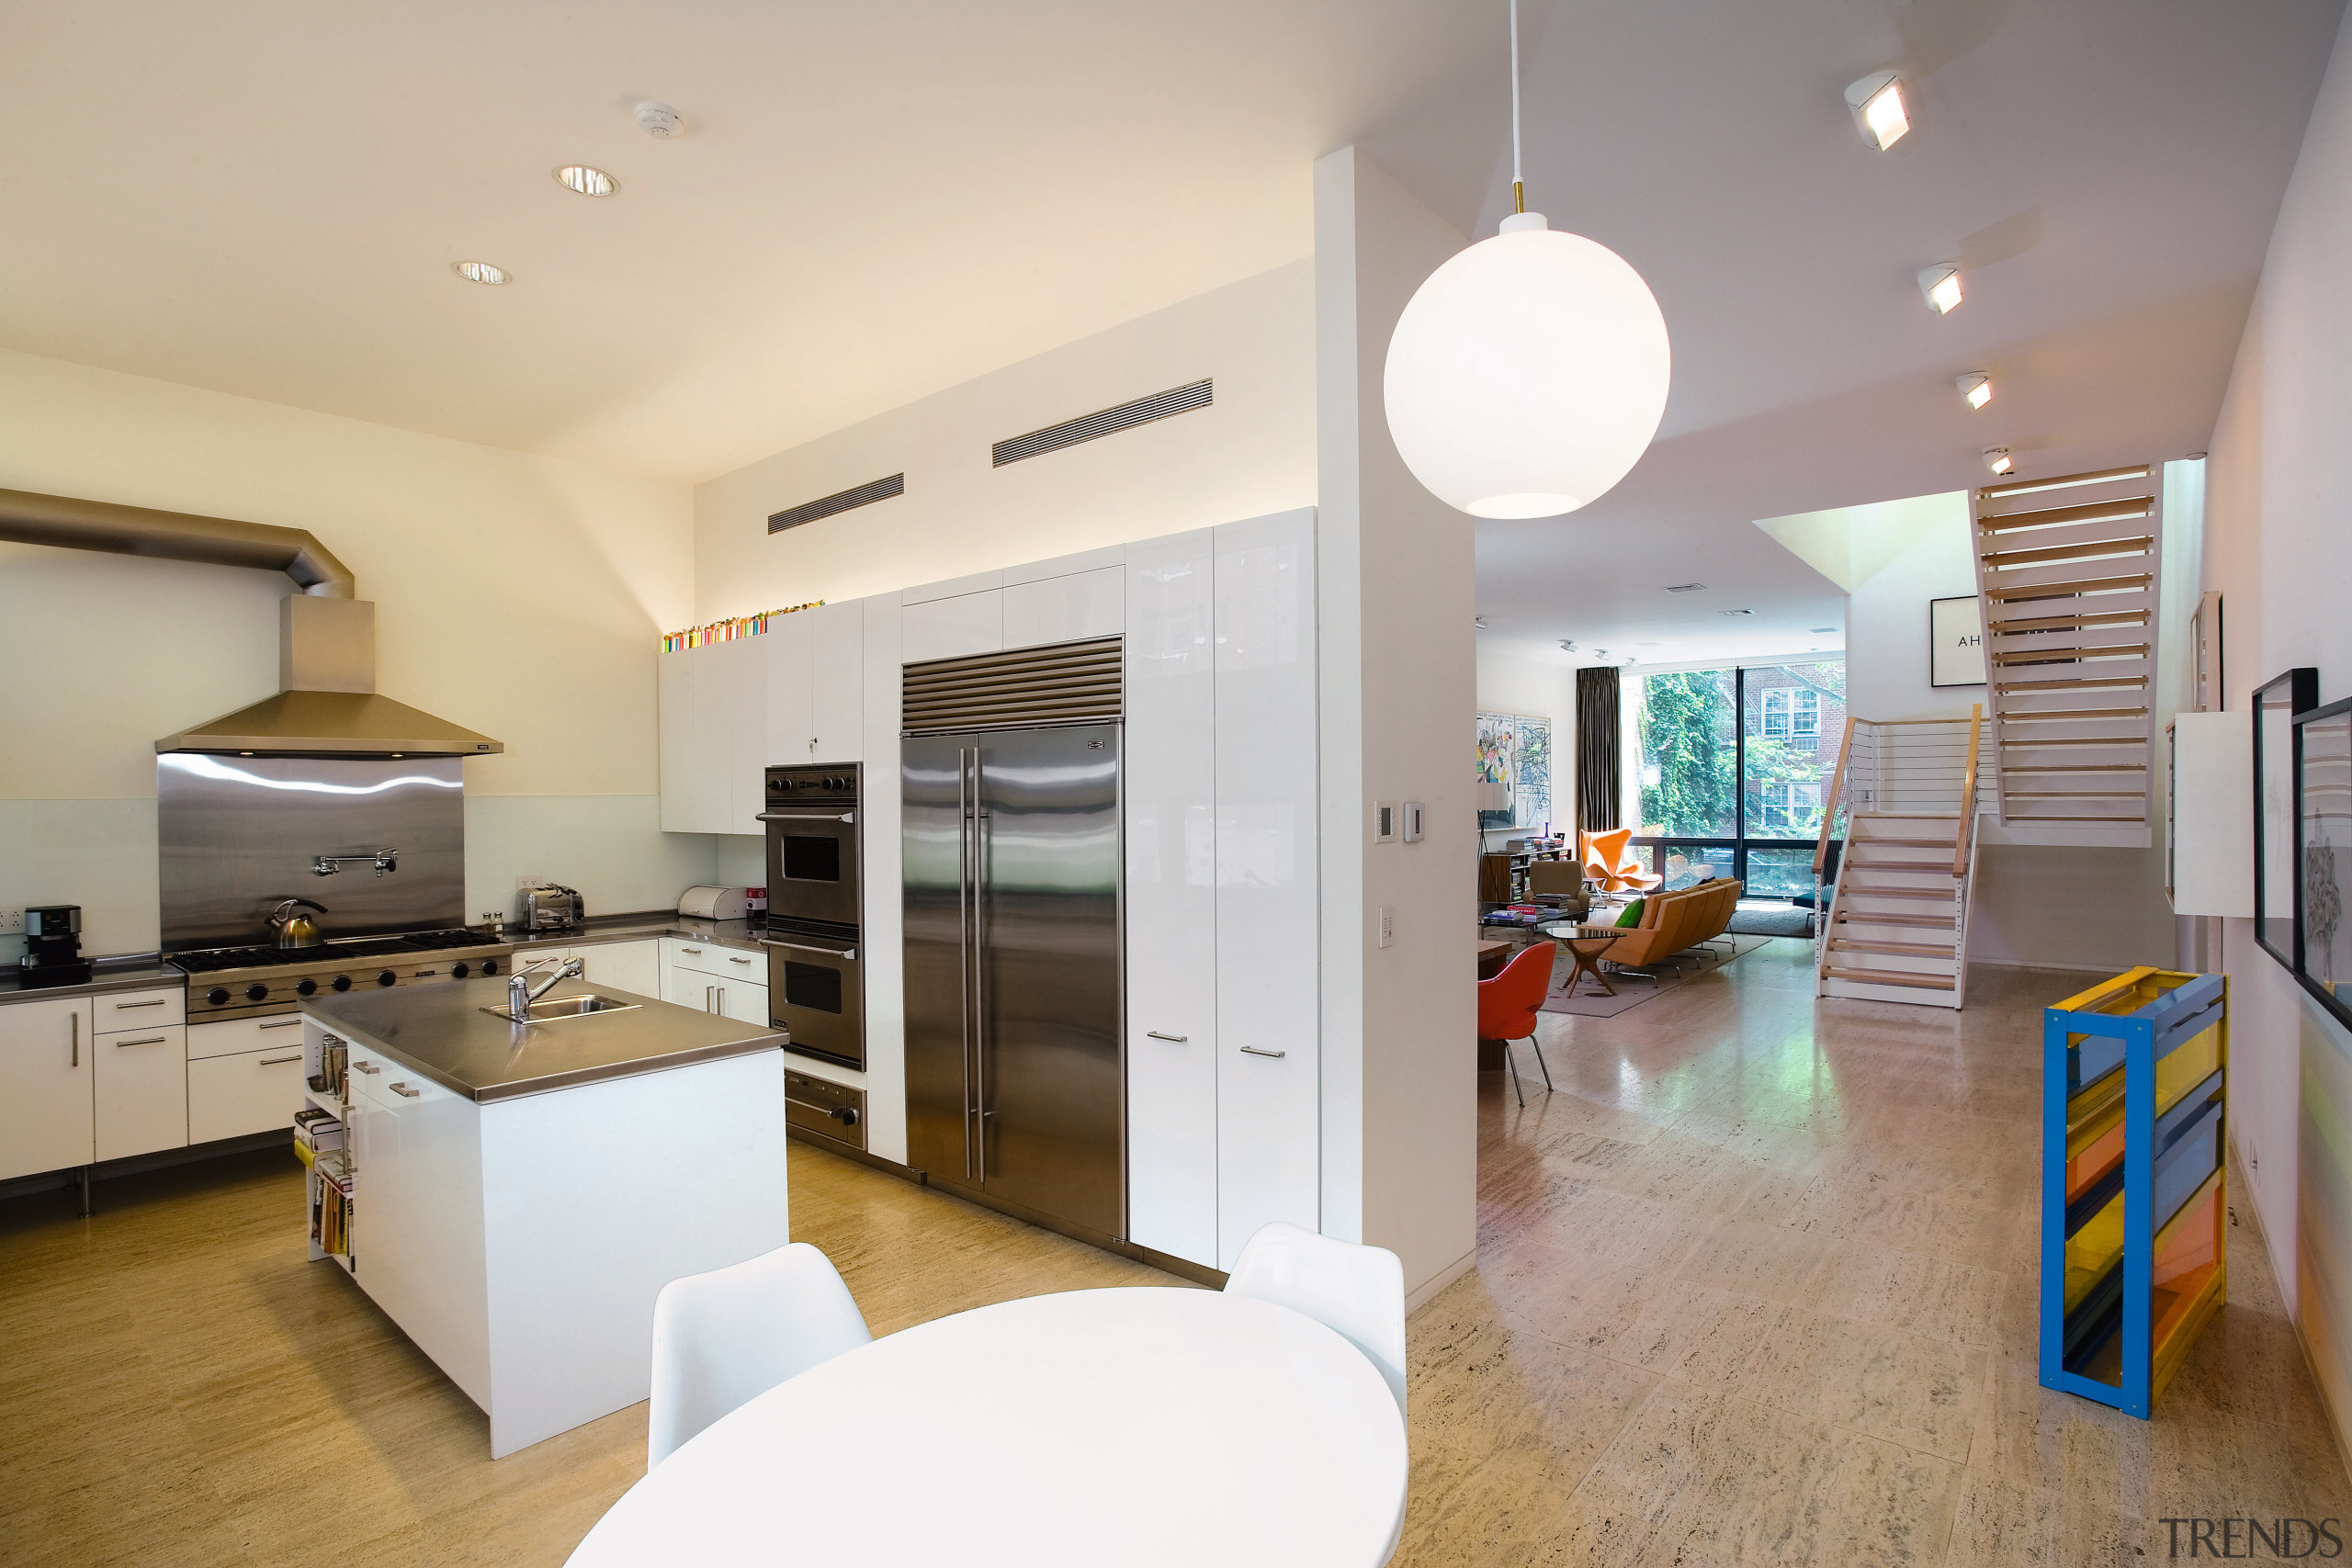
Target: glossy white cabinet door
pixel 1170 795
pixel 694 784
pixel 623 965
pixel 1269 1111
pixel 789 652
pixel 142 1091
pixel 838 670
pixel 743 1001
pixel 258 1091
pixel 1065 609
pixel 950 628
pixel 235 1036
pixel 45 1077
pixel 740 735
pixel 417 1233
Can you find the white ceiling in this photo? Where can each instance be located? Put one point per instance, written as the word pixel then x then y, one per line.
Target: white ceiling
pixel 878 200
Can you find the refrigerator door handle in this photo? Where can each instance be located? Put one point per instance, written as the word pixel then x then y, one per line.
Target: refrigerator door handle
pixel 979 972
pixel 964 939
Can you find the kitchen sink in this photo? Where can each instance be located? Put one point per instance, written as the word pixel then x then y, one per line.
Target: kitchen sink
pixel 559 1008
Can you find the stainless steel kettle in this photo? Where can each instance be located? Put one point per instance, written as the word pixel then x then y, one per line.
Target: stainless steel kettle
pixel 294 928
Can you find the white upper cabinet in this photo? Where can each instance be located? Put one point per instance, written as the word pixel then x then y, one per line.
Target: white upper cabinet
pixel 693 782
pixel 837 671
pixel 792 712
pixel 1269 1112
pixel 1170 804
pixel 952 628
pixel 1066 609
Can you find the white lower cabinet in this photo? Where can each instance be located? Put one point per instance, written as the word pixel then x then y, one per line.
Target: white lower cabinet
pixel 45 1052
pixel 721 994
pixel 142 1091
pixel 633 966
pixel 252 1092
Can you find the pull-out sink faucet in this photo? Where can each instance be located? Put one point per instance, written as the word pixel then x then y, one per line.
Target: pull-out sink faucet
pixel 521 993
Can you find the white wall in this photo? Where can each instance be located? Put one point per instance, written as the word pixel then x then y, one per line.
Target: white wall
pixel 520 596
pixel 1510 685
pixel 2275 534
pixel 2037 906
pixel 1248 453
pixel 1397 601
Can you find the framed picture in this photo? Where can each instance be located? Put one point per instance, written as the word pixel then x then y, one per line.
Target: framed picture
pixel 1956 641
pixel 2323 748
pixel 2276 704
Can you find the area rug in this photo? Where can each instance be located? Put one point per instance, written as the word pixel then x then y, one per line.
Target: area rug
pixel 1591 1001
pixel 1756 918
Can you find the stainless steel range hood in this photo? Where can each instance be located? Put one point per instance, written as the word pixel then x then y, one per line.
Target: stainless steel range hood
pixel 328 706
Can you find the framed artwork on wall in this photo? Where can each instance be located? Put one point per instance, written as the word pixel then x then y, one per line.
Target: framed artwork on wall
pixel 1956 641
pixel 1515 752
pixel 2323 749
pixel 2276 704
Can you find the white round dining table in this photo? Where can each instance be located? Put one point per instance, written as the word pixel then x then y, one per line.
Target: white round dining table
pixel 1130 1426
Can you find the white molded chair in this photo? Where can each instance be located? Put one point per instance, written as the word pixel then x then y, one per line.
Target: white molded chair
pixel 726 1337
pixel 1357 1291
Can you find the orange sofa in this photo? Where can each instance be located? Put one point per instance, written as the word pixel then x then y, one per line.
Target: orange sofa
pixel 1671 922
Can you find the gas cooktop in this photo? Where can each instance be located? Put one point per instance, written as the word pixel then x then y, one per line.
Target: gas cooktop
pixel 242 982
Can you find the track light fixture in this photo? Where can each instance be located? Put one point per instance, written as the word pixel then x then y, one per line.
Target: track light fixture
pixel 1976 386
pixel 1877 103
pixel 1940 284
pixel 1997 458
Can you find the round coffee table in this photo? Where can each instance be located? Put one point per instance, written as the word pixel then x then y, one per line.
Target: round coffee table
pixel 1588 945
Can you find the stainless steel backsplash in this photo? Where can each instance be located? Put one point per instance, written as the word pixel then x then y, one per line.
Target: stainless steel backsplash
pixel 240 834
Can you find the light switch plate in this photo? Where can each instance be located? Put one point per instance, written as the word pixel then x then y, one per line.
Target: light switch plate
pixel 1388 924
pixel 1411 825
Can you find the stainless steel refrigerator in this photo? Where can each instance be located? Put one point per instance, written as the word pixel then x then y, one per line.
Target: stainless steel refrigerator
pixel 1013 981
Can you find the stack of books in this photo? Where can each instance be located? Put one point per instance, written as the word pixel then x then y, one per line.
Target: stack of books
pixel 316 1132
pixel 330 1204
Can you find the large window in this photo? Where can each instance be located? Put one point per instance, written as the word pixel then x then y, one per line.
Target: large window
pixel 1734 766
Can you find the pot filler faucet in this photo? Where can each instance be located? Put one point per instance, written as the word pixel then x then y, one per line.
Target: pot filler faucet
pixel 521 993
pixel 327 865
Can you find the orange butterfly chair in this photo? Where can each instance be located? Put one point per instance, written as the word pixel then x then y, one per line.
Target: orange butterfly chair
pixel 1607 861
pixel 1508 1005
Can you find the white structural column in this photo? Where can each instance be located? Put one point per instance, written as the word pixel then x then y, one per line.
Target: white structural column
pixel 1397 599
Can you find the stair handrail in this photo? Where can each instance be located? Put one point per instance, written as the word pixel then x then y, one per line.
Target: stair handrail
pixel 1837 794
pixel 1967 795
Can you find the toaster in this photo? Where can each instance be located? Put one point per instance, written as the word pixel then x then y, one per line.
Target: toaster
pixel 714 903
pixel 551 909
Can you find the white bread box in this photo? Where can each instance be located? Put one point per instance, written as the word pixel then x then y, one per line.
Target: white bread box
pixel 713 903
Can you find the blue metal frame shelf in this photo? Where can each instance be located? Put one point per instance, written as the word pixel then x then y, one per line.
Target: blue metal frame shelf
pixel 2133 1172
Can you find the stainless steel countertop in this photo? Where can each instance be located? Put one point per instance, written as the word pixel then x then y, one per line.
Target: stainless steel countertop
pixel 740 934
pixel 136 971
pixel 442 1031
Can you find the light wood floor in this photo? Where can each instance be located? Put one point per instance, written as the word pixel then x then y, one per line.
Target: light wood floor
pixel 1755 1286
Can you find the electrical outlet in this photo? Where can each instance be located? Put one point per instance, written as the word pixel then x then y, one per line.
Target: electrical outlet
pixel 12 922
pixel 1388 924
pixel 525 884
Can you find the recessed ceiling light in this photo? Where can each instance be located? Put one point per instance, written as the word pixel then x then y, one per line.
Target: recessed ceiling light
pixel 1877 103
pixel 1976 386
pixel 1997 460
pixel 1734 612
pixel 1940 284
pixel 1684 587
pixel 585 180
pixel 479 272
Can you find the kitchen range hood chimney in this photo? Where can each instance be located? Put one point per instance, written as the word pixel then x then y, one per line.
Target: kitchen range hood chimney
pixel 327 704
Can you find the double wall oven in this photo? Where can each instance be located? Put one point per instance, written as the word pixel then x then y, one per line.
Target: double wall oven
pixel 816 979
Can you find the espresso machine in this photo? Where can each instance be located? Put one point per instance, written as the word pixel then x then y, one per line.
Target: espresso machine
pixel 53 947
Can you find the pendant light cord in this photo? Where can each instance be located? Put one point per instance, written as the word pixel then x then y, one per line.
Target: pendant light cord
pixel 1518 187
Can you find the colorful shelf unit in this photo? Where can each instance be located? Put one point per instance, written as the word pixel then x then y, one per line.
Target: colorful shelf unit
pixel 2134 1160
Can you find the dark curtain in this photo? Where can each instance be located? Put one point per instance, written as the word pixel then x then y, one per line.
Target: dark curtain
pixel 1598 784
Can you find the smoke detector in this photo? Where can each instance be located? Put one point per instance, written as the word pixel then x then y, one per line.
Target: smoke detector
pixel 659 120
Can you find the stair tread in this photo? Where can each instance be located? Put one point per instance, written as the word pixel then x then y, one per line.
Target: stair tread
pixel 1893 977
pixel 1907 949
pixel 1944 865
pixel 1851 918
pixel 1860 890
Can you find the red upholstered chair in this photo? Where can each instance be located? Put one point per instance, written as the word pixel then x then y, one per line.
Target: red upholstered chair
pixel 1508 1005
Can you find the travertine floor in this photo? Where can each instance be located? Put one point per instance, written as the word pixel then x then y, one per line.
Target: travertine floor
pixel 1755 1286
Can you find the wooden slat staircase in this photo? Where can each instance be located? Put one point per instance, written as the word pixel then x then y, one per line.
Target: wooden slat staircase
pixel 2067 571
pixel 1897 928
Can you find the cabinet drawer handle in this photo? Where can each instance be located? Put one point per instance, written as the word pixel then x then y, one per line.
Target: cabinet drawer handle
pixel 1255 1050
pixel 294 1023
pixel 278 1061
pixel 150 1040
pixel 404 1091
pixel 151 1002
pixel 696 951
pixel 1171 1039
pixel 739 961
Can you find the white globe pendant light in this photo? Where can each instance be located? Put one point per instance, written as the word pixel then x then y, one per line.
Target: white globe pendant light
pixel 1529 373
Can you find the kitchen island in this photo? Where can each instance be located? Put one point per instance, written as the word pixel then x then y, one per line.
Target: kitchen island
pixel 515 1196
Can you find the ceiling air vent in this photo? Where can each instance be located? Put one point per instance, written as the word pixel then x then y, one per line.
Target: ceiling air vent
pixel 1110 421
pixel 841 501
pixel 1064 683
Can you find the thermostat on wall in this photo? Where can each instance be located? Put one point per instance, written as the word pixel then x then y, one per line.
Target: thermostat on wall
pixel 1384 821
